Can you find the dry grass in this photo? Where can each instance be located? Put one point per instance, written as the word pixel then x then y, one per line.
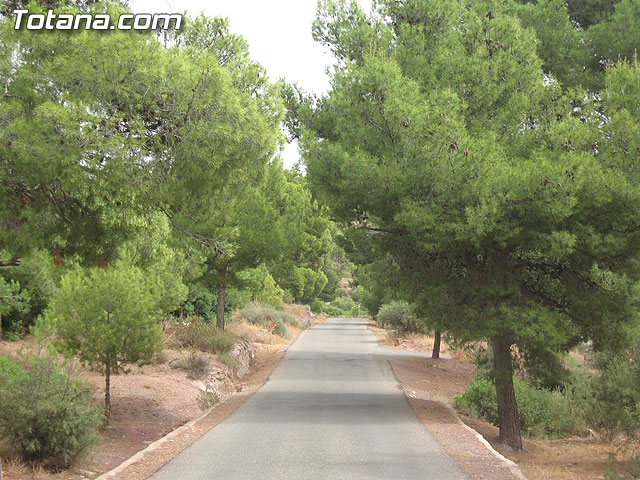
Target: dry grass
pixel 563 459
pixel 13 467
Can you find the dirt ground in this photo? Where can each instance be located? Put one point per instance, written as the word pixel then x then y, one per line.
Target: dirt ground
pixel 426 380
pixel 154 400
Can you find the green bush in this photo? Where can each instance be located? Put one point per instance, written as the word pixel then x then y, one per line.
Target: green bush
pixel 204 336
pixel 399 315
pixel 612 398
pixel 316 305
pixel 479 399
pixel 46 415
pixel 344 303
pixel 542 412
pixel 261 286
pixel 332 311
pixel 288 319
pixel 281 330
pixel 201 302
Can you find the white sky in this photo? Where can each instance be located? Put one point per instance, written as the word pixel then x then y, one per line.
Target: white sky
pixel 279 36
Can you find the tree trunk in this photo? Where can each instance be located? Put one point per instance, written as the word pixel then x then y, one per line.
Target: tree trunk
pixel 436 345
pixel 107 393
pixel 508 418
pixel 221 290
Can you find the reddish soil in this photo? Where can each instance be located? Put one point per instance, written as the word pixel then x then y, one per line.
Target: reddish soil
pixel 154 400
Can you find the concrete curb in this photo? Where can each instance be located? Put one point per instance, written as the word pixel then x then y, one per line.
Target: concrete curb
pixel 158 443
pixel 230 403
pixel 513 467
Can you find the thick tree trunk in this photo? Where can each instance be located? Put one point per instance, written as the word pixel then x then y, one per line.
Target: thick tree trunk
pixel 508 418
pixel 436 345
pixel 222 286
pixel 107 393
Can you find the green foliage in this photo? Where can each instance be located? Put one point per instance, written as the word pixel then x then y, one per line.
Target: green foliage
pixel 203 335
pixel 257 314
pixel 163 265
pixel 542 412
pixel 288 319
pixel 13 299
pixel 45 414
pixel 316 305
pixel 281 330
pixel 261 286
pixel 27 289
pixel 148 118
pixel 108 318
pixel 499 197
pixel 399 315
pixel 613 395
pixel 345 304
pixel 200 302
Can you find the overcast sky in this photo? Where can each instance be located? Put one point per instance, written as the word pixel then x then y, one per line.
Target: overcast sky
pixel 278 32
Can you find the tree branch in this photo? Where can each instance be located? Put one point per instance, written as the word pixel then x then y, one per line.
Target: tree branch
pixel 14 262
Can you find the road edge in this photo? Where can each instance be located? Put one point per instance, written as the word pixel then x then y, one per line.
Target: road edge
pixel 183 436
pixel 147 461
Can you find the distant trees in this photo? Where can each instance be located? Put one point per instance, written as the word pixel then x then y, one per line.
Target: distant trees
pixel 512 204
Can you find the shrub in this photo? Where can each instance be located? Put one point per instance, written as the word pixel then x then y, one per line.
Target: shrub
pixel 288 319
pixel 332 311
pixel 281 330
pixel 45 414
pixel 479 399
pixel 345 304
pixel 204 336
pixel 612 398
pixel 316 305
pixel 341 292
pixel 399 315
pixel 200 302
pixel 207 398
pixel 542 412
pixel 257 314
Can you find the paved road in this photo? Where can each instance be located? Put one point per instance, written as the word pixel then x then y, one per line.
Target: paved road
pixel 332 409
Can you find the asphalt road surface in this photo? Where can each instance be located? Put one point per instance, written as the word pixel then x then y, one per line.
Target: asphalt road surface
pixel 332 409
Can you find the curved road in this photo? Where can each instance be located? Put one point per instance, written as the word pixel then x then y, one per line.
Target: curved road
pixel 332 409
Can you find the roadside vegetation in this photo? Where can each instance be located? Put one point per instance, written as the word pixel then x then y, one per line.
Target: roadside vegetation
pixel 142 204
pixel 489 181
pixel 472 171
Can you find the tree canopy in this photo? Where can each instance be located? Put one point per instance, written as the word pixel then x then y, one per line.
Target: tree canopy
pixel 509 199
